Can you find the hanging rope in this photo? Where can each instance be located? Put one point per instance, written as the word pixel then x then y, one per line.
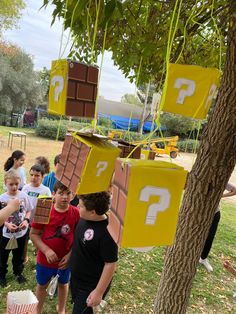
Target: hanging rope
pixel 219 35
pixel 185 30
pixel 94 122
pixel 59 57
pixel 171 36
pixel 62 33
pixel 97 5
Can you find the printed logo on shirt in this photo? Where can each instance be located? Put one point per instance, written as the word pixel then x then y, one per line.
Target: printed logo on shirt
pixel 65 229
pixel 60 232
pixel 33 194
pixel 88 235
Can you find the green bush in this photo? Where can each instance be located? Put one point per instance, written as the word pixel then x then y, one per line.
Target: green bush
pixel 189 146
pixel 49 128
pixel 177 125
pixel 133 136
pixel 105 122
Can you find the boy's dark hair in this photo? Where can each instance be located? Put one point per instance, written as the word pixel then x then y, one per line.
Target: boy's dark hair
pixel 17 154
pixel 60 186
pixel 99 202
pixel 57 159
pixel 38 168
pixel 44 162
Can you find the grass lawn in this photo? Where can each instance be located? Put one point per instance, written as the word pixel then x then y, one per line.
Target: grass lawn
pixel 136 281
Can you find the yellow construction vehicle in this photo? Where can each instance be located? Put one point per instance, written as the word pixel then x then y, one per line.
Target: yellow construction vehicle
pixel 169 145
pixel 115 134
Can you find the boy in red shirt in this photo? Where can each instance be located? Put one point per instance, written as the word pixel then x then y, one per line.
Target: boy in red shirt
pixel 54 241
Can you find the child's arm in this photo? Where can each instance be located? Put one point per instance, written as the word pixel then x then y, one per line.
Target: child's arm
pixel 25 222
pixel 35 236
pixel 12 206
pixel 230 192
pixel 95 296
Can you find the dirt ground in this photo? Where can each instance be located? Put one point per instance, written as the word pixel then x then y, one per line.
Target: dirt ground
pixel 35 147
pixel 187 160
pixel 43 147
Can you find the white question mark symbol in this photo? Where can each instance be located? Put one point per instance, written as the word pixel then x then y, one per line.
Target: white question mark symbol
pixel 154 208
pixel 211 94
pixel 101 166
pixel 59 88
pixel 184 92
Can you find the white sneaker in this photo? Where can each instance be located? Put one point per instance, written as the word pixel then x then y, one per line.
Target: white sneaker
pixel 205 263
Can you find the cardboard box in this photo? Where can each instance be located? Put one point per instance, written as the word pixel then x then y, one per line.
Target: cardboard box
pixel 43 209
pixel 146 196
pixel 87 163
pixel 147 154
pixel 73 88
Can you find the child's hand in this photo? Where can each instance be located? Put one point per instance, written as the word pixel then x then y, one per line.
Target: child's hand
pixel 226 264
pixel 94 298
pixel 63 264
pixel 14 204
pixel 10 226
pixel 51 256
pixel 23 225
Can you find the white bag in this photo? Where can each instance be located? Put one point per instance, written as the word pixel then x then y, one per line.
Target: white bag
pixel 52 287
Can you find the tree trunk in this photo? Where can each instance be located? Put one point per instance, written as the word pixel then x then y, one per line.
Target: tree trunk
pixel 206 182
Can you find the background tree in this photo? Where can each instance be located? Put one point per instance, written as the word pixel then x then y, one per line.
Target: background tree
pixel 131 99
pixel 10 13
pixel 177 124
pixel 19 84
pixel 215 162
pixel 137 33
pixel 43 80
pixel 137 36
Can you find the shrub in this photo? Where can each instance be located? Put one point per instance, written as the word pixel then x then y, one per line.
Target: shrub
pixel 189 146
pixel 49 128
pixel 105 122
pixel 133 136
pixel 177 124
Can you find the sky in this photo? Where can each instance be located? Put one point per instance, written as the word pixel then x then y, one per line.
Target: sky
pixel 37 38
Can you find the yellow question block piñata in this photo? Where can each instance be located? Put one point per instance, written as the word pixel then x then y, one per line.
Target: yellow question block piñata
pixel 146 196
pixel 73 88
pixel 189 90
pixel 87 163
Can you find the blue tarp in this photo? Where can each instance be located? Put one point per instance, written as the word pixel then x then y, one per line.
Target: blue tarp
pixel 123 123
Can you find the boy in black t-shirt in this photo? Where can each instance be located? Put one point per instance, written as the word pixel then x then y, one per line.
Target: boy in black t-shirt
pixel 94 254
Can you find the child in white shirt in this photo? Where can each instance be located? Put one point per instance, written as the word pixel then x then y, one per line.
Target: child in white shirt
pixel 16 225
pixel 16 161
pixel 35 187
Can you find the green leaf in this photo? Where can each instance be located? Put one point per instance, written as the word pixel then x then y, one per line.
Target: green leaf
pixel 45 3
pixel 120 7
pixel 109 9
pixel 81 6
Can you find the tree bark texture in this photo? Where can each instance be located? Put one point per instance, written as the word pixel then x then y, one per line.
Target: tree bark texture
pixel 206 182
